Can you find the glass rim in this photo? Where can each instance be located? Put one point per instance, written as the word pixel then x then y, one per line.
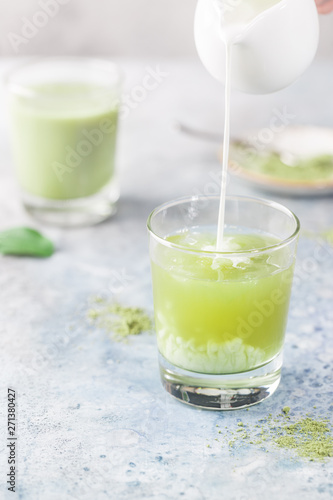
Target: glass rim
pixel 24 90
pixel 257 251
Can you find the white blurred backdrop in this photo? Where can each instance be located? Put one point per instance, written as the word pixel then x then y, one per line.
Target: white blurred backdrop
pixel 108 27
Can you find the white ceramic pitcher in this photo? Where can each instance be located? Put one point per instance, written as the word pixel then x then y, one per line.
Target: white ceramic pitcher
pixel 275 49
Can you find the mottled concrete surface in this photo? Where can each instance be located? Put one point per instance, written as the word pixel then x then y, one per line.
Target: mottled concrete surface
pixel 93 420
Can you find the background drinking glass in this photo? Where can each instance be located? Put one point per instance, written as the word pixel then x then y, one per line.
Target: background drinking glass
pixel 64 114
pixel 221 316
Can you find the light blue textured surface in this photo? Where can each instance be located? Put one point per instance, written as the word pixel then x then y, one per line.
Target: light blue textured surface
pixel 93 420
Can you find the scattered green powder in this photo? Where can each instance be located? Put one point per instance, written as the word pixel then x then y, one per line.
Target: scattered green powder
pixel 309 438
pixel 305 437
pixel 328 235
pixel 119 321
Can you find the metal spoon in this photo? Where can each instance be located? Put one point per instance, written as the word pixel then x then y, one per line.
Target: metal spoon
pixel 199 134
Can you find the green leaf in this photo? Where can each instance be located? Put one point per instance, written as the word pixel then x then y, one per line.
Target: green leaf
pixel 25 241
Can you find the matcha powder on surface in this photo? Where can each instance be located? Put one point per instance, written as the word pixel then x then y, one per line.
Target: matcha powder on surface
pixel 119 321
pixel 306 437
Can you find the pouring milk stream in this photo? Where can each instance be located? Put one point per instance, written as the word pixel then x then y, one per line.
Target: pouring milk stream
pixel 256 46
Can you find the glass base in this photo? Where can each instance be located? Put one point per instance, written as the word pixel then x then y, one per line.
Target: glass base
pixel 74 213
pixel 221 392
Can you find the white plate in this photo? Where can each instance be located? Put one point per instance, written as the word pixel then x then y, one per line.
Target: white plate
pixel 292 142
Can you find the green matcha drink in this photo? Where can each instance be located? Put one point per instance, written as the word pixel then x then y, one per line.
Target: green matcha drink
pixel 221 311
pixel 220 315
pixel 63 149
pixel 63 115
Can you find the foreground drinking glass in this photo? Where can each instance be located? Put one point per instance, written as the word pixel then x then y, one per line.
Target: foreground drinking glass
pixel 221 316
pixel 64 114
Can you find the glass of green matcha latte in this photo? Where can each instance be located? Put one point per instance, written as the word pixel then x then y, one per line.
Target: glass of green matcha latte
pixel 63 118
pixel 221 312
